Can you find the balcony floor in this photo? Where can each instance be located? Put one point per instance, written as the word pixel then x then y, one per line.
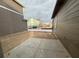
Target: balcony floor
pixel 38 47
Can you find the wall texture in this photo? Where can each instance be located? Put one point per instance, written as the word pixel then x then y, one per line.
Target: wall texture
pixel 11 41
pixel 12 5
pixel 10 22
pixel 67 26
pixel 1 51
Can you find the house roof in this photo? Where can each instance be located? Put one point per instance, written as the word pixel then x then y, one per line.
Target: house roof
pixel 58 6
pixel 18 3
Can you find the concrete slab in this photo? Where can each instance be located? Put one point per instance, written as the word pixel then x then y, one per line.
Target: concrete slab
pixel 39 48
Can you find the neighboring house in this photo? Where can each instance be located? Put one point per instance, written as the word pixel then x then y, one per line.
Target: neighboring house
pixel 46 26
pixel 11 17
pixel 11 21
pixel 33 23
pixel 66 25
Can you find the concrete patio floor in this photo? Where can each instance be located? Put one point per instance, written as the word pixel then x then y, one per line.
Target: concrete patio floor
pixel 39 48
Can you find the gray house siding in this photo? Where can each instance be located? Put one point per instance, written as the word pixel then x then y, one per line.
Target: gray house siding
pixel 10 22
pixel 67 26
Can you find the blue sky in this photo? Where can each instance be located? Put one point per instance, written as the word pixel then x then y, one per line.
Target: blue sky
pixel 38 9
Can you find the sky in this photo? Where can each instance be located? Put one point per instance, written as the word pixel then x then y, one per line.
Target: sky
pixel 38 9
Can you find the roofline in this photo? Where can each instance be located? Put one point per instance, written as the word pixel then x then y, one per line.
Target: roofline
pixel 58 6
pixel 18 3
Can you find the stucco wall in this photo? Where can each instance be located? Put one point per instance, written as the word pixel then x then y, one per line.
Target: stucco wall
pixel 67 26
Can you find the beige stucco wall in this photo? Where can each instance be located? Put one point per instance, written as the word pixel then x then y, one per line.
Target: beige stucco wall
pixel 66 26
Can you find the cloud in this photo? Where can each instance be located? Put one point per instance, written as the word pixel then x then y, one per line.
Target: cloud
pixel 39 9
